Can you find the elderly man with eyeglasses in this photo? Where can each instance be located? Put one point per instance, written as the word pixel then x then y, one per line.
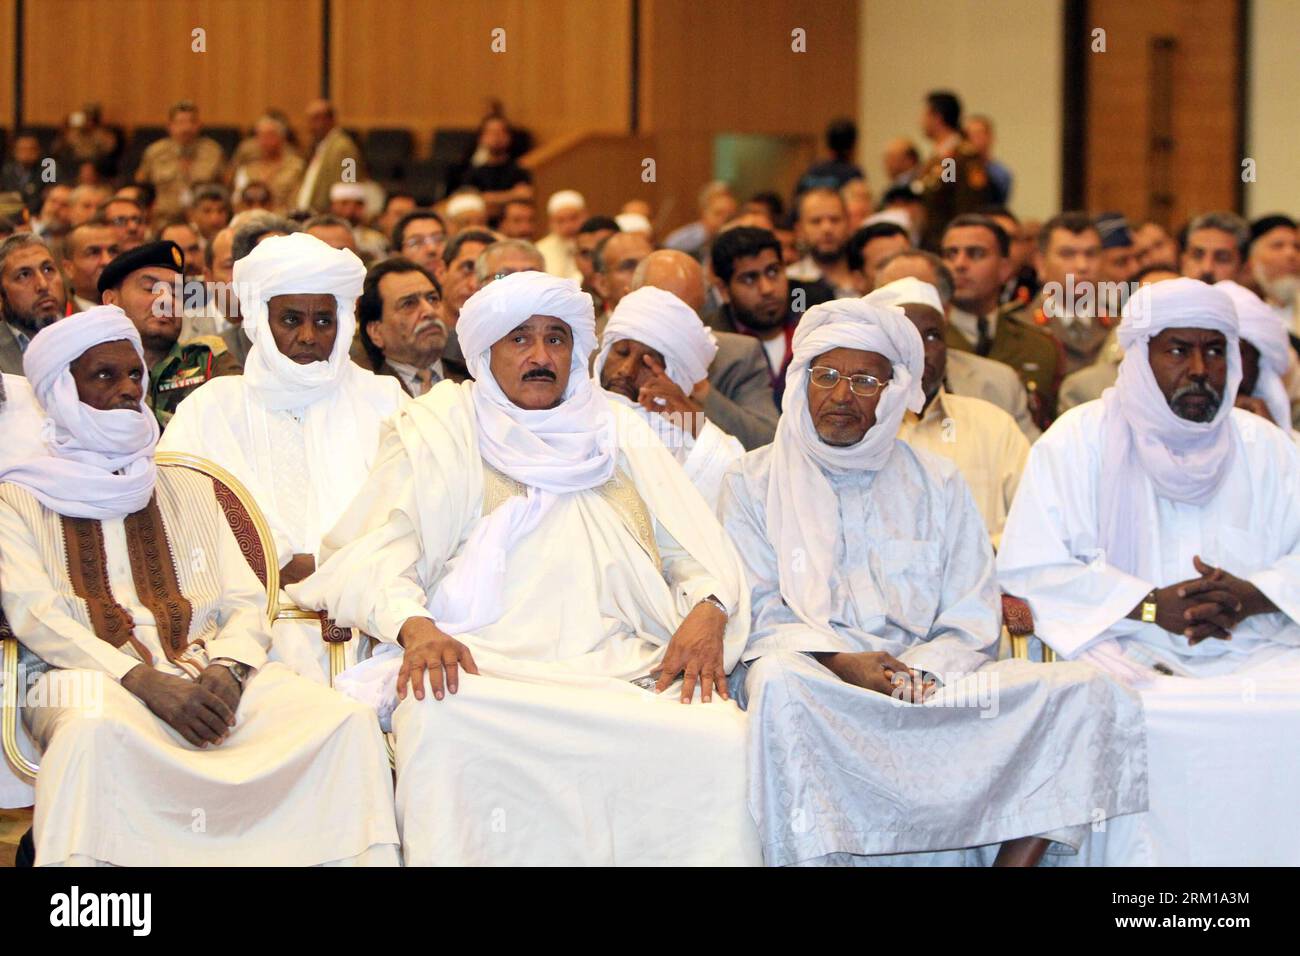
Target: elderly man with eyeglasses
pixel 880 724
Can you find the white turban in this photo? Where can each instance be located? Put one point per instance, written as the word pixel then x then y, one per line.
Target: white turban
pixel 634 222
pixel 1145 444
pixel 668 325
pixel 1261 327
pixel 801 514
pixel 293 265
pixel 906 291
pixel 99 462
pixel 565 199
pixel 566 448
pixel 341 191
pixel 462 203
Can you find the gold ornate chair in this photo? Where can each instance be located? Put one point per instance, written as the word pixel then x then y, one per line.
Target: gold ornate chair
pixel 1019 622
pixel 255 542
pixel 253 533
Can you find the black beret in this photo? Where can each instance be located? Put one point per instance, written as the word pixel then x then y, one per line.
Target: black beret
pixel 1268 224
pixel 166 254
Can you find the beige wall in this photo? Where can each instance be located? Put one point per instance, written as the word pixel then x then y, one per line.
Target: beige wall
pixel 1272 133
pixel 1003 57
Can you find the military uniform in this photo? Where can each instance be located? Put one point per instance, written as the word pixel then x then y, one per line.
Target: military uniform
pixel 174 171
pixel 968 189
pixel 186 366
pixel 1036 357
pixel 184 369
pixel 1080 342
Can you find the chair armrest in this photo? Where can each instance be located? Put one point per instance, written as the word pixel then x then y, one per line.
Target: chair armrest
pixel 1017 617
pixel 9 680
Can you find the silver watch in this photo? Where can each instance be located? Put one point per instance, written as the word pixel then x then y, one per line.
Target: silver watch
pixel 240 671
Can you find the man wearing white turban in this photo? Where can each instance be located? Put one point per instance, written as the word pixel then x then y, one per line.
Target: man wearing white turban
pixel 1156 532
pixel 166 737
pixel 982 440
pixel 1265 356
pixel 879 722
pixel 654 352
pixel 300 427
pixel 538 565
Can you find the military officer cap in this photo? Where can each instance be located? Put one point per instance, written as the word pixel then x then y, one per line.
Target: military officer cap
pixel 165 254
pixel 1114 231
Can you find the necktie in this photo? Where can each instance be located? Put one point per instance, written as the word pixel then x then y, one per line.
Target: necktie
pixel 984 342
pixel 426 378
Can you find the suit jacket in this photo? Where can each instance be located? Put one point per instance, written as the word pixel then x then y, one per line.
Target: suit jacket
pixel 237 343
pixel 740 391
pixel 11 356
pixel 333 149
pixel 452 370
pixel 973 376
pixel 1034 355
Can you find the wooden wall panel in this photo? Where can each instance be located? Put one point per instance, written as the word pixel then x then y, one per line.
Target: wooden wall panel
pixel 135 58
pixel 6 63
pixel 727 65
pixel 413 63
pixel 1205 166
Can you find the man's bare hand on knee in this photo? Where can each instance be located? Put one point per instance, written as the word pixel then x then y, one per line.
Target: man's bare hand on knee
pixel 430 650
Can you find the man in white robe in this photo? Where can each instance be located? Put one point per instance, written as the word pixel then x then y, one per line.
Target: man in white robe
pixel 1156 532
pixel 654 352
pixel 534 550
pixel 879 722
pixel 300 427
pixel 166 737
pixel 1266 356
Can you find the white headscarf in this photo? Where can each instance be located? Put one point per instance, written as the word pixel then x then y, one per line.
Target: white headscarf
pixel 571 447
pixel 99 463
pixel 288 265
pixel 1262 328
pixel 566 448
pixel 906 291
pixel 668 325
pixel 801 515
pixel 1145 444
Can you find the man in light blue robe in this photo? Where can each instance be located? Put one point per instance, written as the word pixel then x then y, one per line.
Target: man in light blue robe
pixel 879 722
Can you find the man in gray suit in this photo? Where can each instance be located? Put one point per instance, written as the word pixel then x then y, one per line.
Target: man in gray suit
pixel 31 295
pixel 737 396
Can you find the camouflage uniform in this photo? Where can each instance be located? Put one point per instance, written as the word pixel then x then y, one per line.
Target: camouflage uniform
pixel 184 369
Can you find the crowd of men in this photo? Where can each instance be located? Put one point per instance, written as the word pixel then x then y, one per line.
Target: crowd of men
pixel 782 466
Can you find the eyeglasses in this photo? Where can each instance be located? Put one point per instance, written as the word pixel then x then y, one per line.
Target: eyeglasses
pixel 121 221
pixel 863 385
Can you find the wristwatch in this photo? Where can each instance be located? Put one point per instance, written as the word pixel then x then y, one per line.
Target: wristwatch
pixel 1149 608
pixel 712 599
pixel 240 671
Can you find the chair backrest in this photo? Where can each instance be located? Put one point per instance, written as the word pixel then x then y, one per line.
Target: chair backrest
pixel 247 523
pixel 227 137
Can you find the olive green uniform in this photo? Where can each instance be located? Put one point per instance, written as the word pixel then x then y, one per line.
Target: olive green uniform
pixel 184 369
